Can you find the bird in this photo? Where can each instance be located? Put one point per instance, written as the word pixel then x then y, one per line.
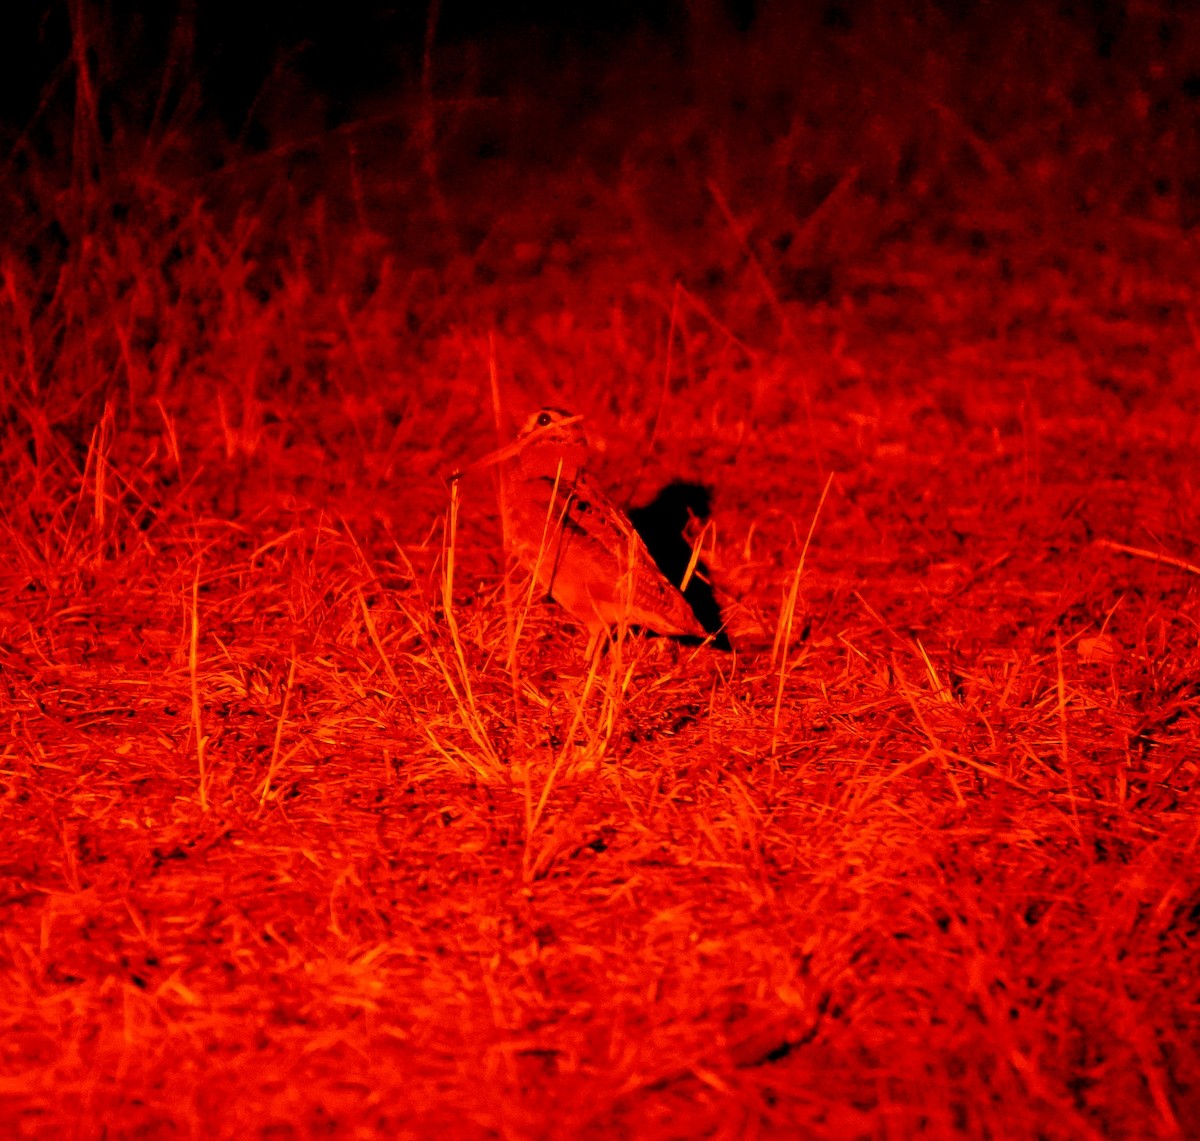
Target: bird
pixel 579 546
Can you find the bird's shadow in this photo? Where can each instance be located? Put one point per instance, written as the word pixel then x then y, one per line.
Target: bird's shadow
pixel 661 525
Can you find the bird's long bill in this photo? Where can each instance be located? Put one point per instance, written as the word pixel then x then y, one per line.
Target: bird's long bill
pixel 498 456
pixel 501 454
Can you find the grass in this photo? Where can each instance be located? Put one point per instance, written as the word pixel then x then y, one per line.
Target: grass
pixel 317 822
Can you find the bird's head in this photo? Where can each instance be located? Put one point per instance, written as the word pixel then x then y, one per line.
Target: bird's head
pixel 551 444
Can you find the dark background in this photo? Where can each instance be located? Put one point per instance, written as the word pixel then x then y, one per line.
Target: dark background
pixel 348 51
pixel 1113 88
pixel 344 50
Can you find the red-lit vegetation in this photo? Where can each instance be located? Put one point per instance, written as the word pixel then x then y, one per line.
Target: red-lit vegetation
pixel 301 838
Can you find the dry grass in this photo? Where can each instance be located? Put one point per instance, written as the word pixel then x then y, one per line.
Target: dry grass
pixel 314 823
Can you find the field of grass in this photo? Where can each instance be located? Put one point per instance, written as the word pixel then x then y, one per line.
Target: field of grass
pixel 315 824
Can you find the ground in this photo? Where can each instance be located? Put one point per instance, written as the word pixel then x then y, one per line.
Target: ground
pixel 317 823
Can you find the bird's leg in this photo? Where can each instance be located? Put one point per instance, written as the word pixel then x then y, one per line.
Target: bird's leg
pixel 596 638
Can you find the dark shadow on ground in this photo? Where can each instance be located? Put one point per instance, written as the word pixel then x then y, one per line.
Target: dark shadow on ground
pixel 661 525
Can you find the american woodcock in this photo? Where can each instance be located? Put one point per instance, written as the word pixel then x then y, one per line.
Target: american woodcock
pixel 580 546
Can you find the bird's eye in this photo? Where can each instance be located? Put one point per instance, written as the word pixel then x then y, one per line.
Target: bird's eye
pixel 543 419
